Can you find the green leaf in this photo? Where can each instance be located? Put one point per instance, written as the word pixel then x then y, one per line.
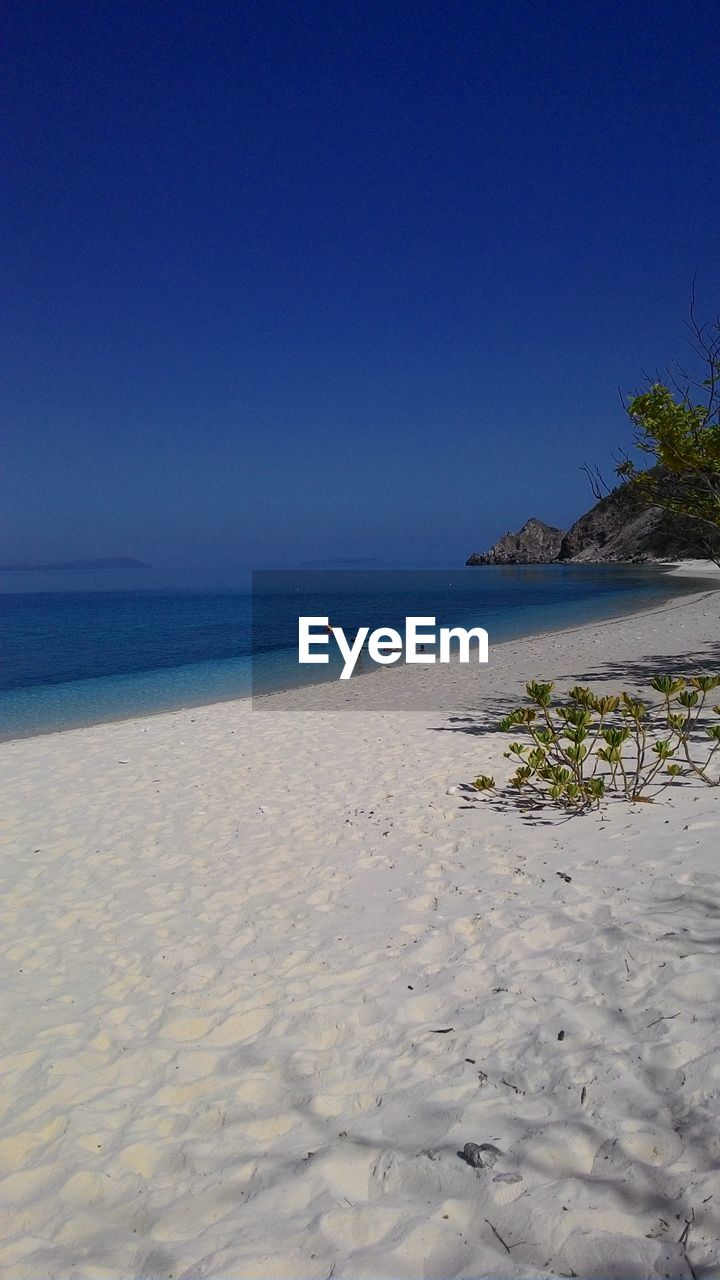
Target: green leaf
pixel 705 683
pixel 668 685
pixel 539 693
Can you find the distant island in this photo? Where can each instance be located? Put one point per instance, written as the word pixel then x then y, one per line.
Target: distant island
pixel 361 562
pixel 113 562
pixel 616 530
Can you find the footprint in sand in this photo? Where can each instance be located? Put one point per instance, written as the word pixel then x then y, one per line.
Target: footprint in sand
pixel 238 1027
pixel 186 1029
pixel 359 1227
pixel 142 1158
pixel 16 1150
pixel 652 1146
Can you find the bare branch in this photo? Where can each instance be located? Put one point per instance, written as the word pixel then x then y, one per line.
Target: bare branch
pixel 599 487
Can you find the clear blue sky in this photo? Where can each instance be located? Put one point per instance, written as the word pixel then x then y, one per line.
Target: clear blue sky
pixel 295 280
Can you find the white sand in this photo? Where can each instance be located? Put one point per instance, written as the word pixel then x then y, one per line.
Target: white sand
pixel 231 940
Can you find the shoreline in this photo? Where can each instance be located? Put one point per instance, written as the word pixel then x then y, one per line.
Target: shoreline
pixel 265 975
pixel 686 569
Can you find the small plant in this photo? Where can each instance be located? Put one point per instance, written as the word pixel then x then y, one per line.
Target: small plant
pixel 593 746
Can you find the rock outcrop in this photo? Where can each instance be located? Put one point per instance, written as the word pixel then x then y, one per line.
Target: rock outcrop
pixel 536 543
pixel 617 529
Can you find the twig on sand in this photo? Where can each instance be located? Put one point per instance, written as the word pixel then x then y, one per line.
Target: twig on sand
pixel 497 1235
pixel 683 1240
pixel 664 1017
pixel 504 1243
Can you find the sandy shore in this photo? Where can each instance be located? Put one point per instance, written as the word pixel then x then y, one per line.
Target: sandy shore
pixel 265 971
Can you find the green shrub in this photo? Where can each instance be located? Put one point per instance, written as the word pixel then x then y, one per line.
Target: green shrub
pixel 577 752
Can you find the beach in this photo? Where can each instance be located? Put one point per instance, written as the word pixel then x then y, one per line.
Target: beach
pixel 267 969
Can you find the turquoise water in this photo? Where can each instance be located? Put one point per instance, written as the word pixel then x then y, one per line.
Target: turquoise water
pixel 71 658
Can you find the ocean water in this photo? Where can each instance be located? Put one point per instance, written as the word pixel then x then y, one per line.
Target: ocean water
pixel 76 657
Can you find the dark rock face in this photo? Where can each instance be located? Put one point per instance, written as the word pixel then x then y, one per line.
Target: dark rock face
pixel 617 529
pixel 596 533
pixel 617 533
pixel 536 543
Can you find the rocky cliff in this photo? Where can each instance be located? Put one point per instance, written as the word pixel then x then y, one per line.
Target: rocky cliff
pixel 617 528
pixel 536 543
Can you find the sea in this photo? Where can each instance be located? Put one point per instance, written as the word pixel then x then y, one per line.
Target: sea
pixel 76 649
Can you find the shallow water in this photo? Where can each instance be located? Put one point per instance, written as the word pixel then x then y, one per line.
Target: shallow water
pixel 78 657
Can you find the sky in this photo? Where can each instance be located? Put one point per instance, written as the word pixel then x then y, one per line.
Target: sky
pixel 292 281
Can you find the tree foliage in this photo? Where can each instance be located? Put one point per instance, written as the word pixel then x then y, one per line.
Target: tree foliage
pixel 677 429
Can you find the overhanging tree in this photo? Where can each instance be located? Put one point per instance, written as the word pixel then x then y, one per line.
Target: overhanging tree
pixel 677 428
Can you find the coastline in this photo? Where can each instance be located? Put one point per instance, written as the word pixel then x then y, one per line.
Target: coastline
pixel 448 688
pixel 314 694
pixel 266 974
